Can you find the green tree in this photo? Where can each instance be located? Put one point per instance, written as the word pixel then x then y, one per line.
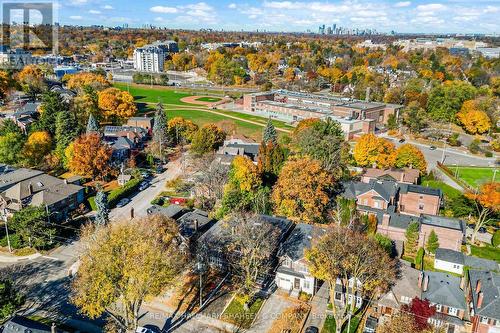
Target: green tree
pixel 207 139
pixel 101 201
pixel 392 122
pixel 92 125
pixel 414 117
pixel 160 126
pixel 11 146
pixel 446 100
pixel 52 104
pixel 270 160
pixel 30 224
pixel 270 134
pixel 411 236
pixel 10 299
pixel 385 243
pixel 66 132
pixel 9 126
pixel 432 243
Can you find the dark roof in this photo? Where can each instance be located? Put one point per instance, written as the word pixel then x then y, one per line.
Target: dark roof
pixel 385 189
pixel 300 239
pixel 405 188
pixel 481 264
pixel 402 221
pixel 187 222
pixel 248 148
pixel 490 286
pixel 171 211
pixel 448 255
pixel 123 143
pixel 442 221
pixel 20 324
pixel 444 289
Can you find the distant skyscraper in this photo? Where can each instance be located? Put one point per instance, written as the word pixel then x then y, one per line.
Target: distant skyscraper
pixel 151 58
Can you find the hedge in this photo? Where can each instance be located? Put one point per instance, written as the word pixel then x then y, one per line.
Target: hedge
pixel 117 194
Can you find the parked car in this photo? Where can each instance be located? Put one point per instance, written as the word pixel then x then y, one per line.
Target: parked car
pixel 143 186
pixel 432 147
pixel 145 174
pixel 141 329
pixel 402 140
pixel 311 329
pixel 123 202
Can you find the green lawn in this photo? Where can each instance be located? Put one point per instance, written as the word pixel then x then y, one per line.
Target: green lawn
pixel 262 120
pixel 486 252
pixel 153 95
pixel 329 326
pixel 448 190
pixel 236 314
pixel 209 99
pixel 474 176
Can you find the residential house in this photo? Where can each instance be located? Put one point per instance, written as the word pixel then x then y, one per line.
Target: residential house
pixel 19 324
pixel 122 148
pixel 137 134
pixel 446 293
pixel 374 194
pixel 11 176
pixel 142 122
pixel 215 243
pixel 192 224
pixel 454 262
pixel 293 274
pixel 416 199
pixel 341 293
pixel 58 196
pixel 402 292
pixel 25 116
pixel 171 211
pixel 483 299
pixel 240 147
pixel 406 175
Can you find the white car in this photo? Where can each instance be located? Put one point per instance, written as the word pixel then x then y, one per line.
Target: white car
pixel 143 186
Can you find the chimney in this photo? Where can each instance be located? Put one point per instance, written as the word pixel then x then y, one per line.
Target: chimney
pixel 478 286
pixel 53 328
pixel 385 220
pixel 462 283
pixel 426 283
pixel 420 278
pixel 480 300
pixel 367 98
pixel 402 178
pixel 195 225
pixel 30 188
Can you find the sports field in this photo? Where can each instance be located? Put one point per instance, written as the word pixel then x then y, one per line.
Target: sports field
pixel 209 99
pixel 474 176
pixel 147 97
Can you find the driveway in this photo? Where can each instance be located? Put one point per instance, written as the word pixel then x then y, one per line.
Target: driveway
pixel 271 310
pixel 319 305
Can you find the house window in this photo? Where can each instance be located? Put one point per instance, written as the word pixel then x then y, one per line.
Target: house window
pixel 438 307
pixel 452 311
pixel 307 285
pixel 405 299
pixel 484 320
pixel 377 204
pixel 421 207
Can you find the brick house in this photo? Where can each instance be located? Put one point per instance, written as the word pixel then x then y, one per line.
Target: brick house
pixel 416 199
pixel 483 299
pixel 405 175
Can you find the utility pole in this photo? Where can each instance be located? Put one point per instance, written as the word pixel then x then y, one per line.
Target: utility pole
pixel 444 148
pixel 6 229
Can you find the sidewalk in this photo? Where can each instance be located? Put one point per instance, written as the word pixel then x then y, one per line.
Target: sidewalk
pixel 10 258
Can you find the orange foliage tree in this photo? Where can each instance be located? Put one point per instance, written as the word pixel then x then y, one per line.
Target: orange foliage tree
pixel 80 80
pixel 410 156
pixel 37 147
pixel 371 150
pixel 487 201
pixel 116 103
pixel 32 80
pixel 89 157
pixel 474 120
pixel 302 191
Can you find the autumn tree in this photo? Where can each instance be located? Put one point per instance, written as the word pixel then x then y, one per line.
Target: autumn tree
pixel 32 80
pixel 270 160
pixel 445 100
pixel 209 184
pixel 82 80
pixel 421 310
pixel 487 202
pixel 357 261
pixel 408 155
pixel 399 322
pixel 115 103
pixel 4 84
pixel 181 130
pixel 371 150
pixel 36 147
pixel 150 261
pixel 302 191
pixel 89 157
pixel 207 139
pixel 474 120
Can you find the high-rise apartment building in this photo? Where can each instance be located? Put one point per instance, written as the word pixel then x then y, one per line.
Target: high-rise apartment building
pixel 151 58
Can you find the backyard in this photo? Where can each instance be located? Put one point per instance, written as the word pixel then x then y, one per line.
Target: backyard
pixel 236 314
pixel 330 327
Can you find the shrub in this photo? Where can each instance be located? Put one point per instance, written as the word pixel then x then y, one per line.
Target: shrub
pixel 419 259
pixel 488 154
pixel 92 204
pixel 157 201
pixel 453 140
pixel 474 147
pixel 26 251
pixel 495 240
pixel 15 241
pixel 124 191
pixel 305 297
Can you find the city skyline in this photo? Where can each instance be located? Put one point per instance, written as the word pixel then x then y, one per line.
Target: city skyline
pixel 453 16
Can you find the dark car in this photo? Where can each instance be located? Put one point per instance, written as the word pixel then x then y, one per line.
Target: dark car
pixel 311 329
pixel 402 140
pixel 432 147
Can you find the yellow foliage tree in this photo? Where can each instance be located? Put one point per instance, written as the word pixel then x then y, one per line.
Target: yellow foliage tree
pixel 4 84
pixel 116 103
pixel 410 156
pixel 302 191
pixel 89 157
pixel 80 80
pixel 245 174
pixel 371 150
pixel 473 119
pixel 37 147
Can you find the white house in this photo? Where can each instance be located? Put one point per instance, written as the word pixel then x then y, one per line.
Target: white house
pixel 449 261
pixel 293 275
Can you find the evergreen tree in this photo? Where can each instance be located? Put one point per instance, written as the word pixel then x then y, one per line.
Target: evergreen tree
pixel 52 104
pixel 92 125
pixel 270 134
pixel 101 201
pixel 432 243
pixel 160 126
pixel 10 299
pixel 411 238
pixel 66 131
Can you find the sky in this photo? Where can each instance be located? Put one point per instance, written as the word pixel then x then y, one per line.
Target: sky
pixel 454 16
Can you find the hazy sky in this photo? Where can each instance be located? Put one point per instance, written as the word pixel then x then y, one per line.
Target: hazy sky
pixel 401 16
